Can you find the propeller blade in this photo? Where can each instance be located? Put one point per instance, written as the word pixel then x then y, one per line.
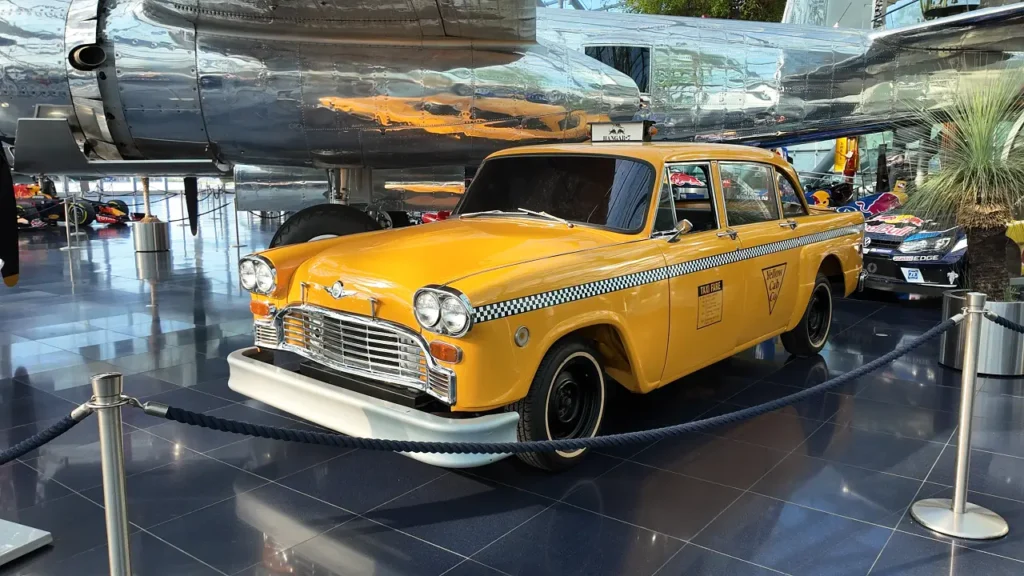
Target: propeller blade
pixel 8 225
pixel 192 203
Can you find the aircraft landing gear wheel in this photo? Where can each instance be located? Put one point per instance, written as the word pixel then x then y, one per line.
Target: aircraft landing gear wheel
pixel 810 335
pixel 566 400
pixel 321 222
pixel 81 213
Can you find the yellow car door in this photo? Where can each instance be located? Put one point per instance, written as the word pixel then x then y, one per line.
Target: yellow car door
pixel 705 308
pixel 771 259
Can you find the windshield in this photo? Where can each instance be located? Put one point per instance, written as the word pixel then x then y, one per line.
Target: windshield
pixel 598 190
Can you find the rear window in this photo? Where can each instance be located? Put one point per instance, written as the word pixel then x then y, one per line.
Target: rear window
pixel 597 190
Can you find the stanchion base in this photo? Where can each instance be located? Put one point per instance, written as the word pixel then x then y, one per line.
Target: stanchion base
pixel 976 523
pixel 17 540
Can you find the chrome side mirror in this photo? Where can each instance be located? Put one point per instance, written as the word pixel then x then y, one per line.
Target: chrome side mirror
pixel 683 227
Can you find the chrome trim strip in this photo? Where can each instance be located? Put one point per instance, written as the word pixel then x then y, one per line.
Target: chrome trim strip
pixel 523 304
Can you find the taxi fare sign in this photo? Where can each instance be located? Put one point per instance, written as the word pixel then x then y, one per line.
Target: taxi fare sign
pixel 709 304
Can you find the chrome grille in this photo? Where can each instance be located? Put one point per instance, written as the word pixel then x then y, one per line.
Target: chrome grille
pixel 885 243
pixel 365 347
pixel 266 334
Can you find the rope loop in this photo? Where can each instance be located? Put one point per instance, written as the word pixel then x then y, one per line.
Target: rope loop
pixel 40 438
pixel 569 444
pixel 1004 322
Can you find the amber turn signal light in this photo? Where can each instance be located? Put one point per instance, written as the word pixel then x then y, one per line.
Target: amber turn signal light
pixel 261 308
pixel 446 352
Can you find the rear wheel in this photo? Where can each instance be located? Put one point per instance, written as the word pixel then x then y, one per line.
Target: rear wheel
pixel 810 335
pixel 119 204
pixel 321 222
pixel 566 400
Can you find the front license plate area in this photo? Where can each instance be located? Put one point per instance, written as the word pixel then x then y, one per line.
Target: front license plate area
pixel 913 275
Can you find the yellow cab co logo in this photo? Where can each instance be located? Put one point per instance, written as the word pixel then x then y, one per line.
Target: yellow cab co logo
pixel 773 276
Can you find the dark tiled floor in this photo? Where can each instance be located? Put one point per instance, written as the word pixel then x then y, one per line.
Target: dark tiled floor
pixel 819 488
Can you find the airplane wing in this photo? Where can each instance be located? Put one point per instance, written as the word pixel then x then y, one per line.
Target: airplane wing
pixel 996 29
pixel 491 20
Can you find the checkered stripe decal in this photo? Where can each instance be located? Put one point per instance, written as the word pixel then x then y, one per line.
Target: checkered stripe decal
pixel 516 306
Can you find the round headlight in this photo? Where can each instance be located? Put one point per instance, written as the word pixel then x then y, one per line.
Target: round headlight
pixel 264 277
pixel 247 274
pixel 427 309
pixel 454 315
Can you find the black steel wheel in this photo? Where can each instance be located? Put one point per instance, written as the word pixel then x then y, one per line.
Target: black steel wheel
pixel 810 335
pixel 566 400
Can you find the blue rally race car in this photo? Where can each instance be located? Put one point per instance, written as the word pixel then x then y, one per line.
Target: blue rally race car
pixel 904 253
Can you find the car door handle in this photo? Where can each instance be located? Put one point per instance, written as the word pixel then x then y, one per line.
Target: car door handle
pixel 791 224
pixel 727 232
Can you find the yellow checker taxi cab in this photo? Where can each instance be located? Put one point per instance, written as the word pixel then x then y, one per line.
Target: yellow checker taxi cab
pixel 565 270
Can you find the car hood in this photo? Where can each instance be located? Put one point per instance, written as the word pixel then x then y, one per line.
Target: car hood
pixel 403 260
pixel 903 227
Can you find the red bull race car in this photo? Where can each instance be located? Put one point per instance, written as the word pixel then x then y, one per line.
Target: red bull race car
pixel 37 209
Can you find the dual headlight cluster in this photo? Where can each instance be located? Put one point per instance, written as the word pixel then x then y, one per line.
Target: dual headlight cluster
pixel 443 310
pixel 257 274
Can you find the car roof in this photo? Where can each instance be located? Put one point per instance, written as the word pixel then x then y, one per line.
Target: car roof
pixel 654 152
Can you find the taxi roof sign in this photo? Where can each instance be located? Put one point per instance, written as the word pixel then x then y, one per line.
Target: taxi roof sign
pixel 618 132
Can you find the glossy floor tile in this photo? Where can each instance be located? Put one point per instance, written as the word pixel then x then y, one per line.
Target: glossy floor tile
pixel 813 489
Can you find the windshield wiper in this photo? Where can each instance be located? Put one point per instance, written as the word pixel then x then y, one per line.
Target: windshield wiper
pixel 485 213
pixel 545 215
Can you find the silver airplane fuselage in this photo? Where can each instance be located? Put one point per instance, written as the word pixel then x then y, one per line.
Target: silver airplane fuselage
pixel 219 81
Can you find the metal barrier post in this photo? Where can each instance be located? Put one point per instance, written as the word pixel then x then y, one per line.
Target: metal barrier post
pixel 238 239
pixel 67 227
pixel 957 517
pixel 184 216
pixel 107 401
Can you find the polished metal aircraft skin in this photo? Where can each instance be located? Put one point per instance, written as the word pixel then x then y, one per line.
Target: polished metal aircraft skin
pixel 443 83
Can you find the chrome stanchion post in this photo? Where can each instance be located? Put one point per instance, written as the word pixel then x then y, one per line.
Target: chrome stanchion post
pixel 238 239
pixel 67 226
pixel 181 202
pixel 958 517
pixel 107 401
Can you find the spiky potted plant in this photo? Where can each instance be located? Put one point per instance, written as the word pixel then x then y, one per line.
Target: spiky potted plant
pixel 979 185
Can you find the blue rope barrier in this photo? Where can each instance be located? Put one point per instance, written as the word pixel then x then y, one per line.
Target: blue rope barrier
pixel 29 444
pixel 1004 322
pixel 569 444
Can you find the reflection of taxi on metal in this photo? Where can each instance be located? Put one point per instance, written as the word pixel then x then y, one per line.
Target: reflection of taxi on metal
pixel 565 270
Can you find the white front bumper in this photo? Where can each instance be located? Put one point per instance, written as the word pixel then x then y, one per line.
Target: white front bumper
pixel 357 414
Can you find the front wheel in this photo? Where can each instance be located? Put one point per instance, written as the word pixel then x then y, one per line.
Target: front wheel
pixel 810 335
pixel 566 400
pixel 82 212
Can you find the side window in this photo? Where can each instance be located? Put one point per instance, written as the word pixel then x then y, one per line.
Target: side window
pixel 665 218
pixel 633 61
pixel 749 193
pixel 691 194
pixel 791 204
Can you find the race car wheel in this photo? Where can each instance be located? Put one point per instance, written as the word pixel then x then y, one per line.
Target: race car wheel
pixel 81 213
pixel 120 205
pixel 566 400
pixel 321 222
pixel 810 335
